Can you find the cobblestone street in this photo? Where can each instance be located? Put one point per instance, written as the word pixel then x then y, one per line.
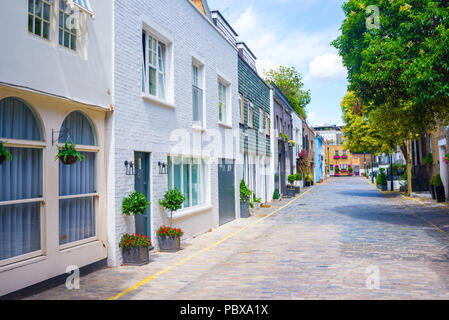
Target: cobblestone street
pixel 329 243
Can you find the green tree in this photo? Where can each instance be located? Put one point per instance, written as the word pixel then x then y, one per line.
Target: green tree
pixel 289 81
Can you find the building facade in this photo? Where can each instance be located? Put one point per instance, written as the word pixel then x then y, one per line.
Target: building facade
pixel 55 87
pixel 255 127
pixel 176 117
pixel 320 163
pixel 308 135
pixel 282 148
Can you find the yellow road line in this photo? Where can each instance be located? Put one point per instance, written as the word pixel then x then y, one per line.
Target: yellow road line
pixel 137 285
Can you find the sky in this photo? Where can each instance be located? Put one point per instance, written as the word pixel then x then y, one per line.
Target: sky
pixel 295 33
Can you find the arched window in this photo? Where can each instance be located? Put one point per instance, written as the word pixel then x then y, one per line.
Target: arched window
pixel 21 191
pixel 78 182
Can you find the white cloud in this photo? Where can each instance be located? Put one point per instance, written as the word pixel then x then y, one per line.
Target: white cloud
pixel 328 66
pixel 247 20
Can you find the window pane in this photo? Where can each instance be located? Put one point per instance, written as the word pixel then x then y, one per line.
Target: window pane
pixel 61 20
pixel 195 184
pixel 46 33
pixel 38 8
pixel 152 81
pixel 161 86
pixel 177 172
pixel 186 182
pixel 22 177
pixel 73 42
pixel 66 39
pixel 202 196
pixel 20 227
pixel 37 26
pixel 31 6
pixel 46 12
pixel 30 23
pixel 61 36
pixel 78 129
pixel 76 219
pixel 78 178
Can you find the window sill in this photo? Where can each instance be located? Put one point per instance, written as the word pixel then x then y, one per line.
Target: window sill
pixel 24 261
pixel 198 128
pixel 187 212
pixel 224 125
pixel 158 101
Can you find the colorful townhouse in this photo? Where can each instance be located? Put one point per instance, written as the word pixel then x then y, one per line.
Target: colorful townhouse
pixel 283 134
pixel 320 164
pixel 308 135
pixel 56 85
pixel 176 117
pixel 255 126
pixel 298 143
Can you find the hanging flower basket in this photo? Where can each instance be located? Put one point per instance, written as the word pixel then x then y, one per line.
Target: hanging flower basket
pixel 68 154
pixel 336 157
pixel 2 158
pixel 69 160
pixel 4 154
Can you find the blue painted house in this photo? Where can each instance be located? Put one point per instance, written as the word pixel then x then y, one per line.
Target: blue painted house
pixel 319 157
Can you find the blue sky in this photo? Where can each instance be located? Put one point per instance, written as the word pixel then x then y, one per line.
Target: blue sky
pixel 298 33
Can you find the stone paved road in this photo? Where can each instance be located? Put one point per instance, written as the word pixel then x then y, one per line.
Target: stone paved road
pixel 328 244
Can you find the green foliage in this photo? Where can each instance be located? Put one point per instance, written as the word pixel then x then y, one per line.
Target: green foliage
pixel 428 159
pixel 4 152
pixel 172 200
pixel 165 231
pixel 399 71
pixel 134 240
pixel 289 81
pixel 134 204
pixel 350 169
pixel 245 192
pixel 276 194
pixel 309 177
pixel 283 136
pixel 381 178
pixel 337 169
pixel 68 149
pixel 298 177
pixel 436 181
pixel 254 200
pixel 291 178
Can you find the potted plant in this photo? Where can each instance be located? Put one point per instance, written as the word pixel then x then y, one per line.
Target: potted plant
pixel 134 204
pixel 68 154
pixel 337 171
pixel 290 187
pixel 276 195
pixel 432 187
pixel 254 200
pixel 336 157
pixel 446 158
pixel 4 154
pixel 245 196
pixel 298 177
pixel 169 238
pixel 428 159
pixel 350 170
pixel 439 188
pixel 381 180
pixel 135 249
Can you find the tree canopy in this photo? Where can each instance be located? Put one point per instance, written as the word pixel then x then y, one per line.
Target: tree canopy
pixel 400 71
pixel 289 81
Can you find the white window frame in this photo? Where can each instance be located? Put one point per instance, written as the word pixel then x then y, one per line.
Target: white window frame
pixel 261 120
pixel 159 60
pixel 201 178
pixel 242 108
pixel 250 114
pixel 200 85
pixel 76 34
pixel 33 15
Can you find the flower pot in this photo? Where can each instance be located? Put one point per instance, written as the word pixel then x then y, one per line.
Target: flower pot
pixel 169 244
pixel 439 193
pixel 297 190
pixel 307 183
pixel 383 187
pixel 290 192
pixel 432 191
pixel 69 160
pixel 244 209
pixel 2 158
pixel 136 256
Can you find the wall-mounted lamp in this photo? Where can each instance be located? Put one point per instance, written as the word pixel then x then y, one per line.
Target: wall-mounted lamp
pixel 131 169
pixel 162 167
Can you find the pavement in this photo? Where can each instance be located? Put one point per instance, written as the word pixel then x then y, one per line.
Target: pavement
pixel 341 239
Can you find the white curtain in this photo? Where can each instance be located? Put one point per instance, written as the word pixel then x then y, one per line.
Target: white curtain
pixel 20 179
pixel 77 215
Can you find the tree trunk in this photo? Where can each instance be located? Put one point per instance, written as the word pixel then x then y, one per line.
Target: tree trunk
pixel 408 155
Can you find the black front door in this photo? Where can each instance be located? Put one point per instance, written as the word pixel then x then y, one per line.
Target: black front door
pixel 142 185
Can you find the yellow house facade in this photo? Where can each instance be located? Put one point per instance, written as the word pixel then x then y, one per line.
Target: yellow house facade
pixel 338 157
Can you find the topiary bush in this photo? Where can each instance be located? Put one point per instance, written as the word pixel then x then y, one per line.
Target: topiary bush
pixel 172 201
pixel 134 204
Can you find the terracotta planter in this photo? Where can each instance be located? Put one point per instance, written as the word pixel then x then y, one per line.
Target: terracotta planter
pixel 69 160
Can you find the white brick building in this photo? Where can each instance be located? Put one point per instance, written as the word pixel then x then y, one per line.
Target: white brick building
pixel 154 124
